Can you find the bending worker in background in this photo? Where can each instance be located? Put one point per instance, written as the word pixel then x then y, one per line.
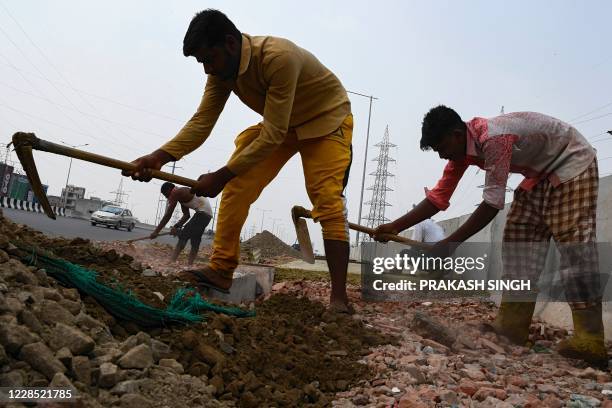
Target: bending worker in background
pixel 427 231
pixel 557 199
pixel 196 224
pixel 305 109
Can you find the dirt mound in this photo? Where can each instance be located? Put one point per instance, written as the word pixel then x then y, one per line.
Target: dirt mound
pixel 51 336
pixel 269 245
pixel 114 269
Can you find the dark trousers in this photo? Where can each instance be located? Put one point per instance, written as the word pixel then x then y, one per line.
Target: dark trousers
pixel 194 229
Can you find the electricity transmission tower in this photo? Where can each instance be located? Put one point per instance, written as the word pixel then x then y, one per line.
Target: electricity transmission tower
pixel 162 204
pixel 378 203
pixel 119 193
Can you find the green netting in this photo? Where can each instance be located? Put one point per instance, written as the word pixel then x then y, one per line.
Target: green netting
pixel 186 305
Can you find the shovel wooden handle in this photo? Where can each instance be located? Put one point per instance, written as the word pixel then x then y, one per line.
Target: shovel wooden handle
pixel 51 147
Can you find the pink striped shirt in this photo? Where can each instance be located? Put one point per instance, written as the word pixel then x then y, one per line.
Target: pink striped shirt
pixel 532 144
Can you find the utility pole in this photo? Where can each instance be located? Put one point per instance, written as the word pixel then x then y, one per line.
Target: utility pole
pixel 161 202
pixel 212 223
pixel 281 234
pixel 65 198
pixel 263 213
pixel 274 223
pixel 365 158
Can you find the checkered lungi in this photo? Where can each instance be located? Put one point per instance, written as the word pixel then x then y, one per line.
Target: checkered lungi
pixel 565 213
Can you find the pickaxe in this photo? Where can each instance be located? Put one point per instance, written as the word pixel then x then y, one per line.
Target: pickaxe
pixel 298 214
pixel 26 142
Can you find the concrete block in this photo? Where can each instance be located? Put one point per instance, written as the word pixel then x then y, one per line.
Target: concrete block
pixel 264 277
pixel 320 265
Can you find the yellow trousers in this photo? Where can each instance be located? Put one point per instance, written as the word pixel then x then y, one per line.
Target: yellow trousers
pixel 326 162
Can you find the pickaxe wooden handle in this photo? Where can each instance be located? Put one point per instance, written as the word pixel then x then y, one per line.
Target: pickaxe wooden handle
pixel 298 214
pixel 26 142
pixel 390 237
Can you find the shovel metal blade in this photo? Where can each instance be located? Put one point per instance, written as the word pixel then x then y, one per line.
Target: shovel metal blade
pixel 23 143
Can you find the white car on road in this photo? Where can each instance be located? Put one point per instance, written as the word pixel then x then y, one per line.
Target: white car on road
pixel 113 216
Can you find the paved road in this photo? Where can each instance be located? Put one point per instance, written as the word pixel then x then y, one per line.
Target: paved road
pixel 74 227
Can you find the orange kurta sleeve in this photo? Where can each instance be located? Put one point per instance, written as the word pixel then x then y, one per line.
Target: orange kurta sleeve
pixel 198 128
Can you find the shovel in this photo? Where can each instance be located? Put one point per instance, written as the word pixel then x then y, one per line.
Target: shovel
pixel 26 142
pixel 298 215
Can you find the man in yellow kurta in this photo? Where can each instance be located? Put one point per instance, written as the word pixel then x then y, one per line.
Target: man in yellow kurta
pixel 305 109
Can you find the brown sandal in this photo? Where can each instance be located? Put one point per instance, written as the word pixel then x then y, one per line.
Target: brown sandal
pixel 198 279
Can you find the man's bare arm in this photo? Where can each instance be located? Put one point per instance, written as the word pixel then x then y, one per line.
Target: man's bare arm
pixel 483 215
pixel 169 211
pixel 424 210
pixel 184 218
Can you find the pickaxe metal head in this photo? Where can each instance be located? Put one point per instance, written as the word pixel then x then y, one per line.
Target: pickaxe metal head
pixel 301 230
pixel 24 142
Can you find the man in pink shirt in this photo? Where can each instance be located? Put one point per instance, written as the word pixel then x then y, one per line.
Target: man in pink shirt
pixel 557 199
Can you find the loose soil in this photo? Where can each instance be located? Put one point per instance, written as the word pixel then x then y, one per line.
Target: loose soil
pixel 296 353
pixel 293 352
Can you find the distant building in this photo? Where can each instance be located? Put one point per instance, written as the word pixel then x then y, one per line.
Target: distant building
pixel 16 186
pixel 19 187
pixel 54 201
pixel 84 207
pixel 70 195
pixel 5 182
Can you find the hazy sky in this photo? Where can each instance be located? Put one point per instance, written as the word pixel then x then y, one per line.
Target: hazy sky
pixel 112 74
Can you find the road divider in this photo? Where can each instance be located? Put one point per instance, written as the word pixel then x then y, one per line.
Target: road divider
pixel 8 202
